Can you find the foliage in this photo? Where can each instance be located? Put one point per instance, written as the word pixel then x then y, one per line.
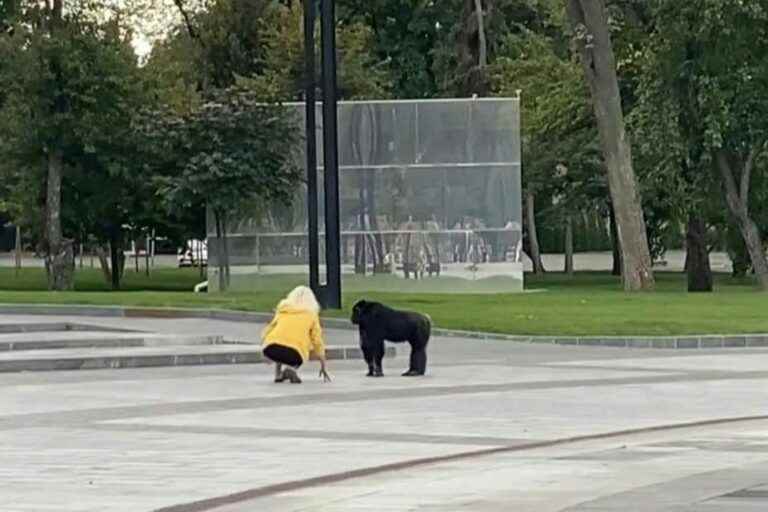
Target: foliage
pixel 360 74
pixel 235 150
pixel 502 19
pixel 232 148
pixel 701 93
pixel 98 86
pixel 406 36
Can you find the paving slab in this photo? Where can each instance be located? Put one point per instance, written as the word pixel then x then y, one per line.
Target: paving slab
pixel 45 340
pixel 493 426
pixel 58 343
pixel 137 355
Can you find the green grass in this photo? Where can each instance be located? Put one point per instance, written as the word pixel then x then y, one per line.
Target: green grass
pixel 585 304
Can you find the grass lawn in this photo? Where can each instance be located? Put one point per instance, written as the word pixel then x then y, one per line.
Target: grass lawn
pixel 586 304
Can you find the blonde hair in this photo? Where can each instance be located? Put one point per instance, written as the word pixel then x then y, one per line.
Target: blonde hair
pixel 301 297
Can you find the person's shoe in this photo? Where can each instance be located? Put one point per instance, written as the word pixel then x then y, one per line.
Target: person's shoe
pixel 290 374
pixel 281 378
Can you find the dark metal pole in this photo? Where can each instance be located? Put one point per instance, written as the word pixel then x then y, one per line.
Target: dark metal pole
pixel 331 158
pixel 311 134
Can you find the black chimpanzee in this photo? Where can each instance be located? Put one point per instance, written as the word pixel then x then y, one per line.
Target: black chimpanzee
pixel 378 322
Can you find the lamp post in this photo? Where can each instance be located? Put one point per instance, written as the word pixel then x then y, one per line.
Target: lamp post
pixel 329 293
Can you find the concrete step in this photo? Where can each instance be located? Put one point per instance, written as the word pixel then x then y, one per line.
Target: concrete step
pixel 145 356
pixel 84 339
pixel 11 328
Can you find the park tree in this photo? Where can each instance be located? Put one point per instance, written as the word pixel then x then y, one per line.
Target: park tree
pixel 69 91
pixel 710 76
pixel 405 38
pixel 361 75
pixel 670 154
pixel 589 22
pixel 559 128
pixel 236 150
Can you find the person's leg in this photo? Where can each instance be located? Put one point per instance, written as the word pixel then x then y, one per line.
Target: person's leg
pixel 287 356
pixel 294 361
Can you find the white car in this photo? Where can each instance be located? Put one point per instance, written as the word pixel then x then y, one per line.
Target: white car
pixel 194 253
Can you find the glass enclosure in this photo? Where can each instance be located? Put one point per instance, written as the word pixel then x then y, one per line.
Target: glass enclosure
pixel 430 202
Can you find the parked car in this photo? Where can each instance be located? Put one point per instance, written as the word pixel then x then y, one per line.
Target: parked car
pixel 193 254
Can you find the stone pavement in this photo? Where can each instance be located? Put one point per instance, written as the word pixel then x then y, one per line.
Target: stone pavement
pixel 54 342
pixel 494 426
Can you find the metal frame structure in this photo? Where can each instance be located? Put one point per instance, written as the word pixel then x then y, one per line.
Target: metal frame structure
pixel 329 293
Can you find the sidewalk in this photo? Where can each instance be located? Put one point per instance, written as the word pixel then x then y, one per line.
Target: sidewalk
pixel 139 440
pixel 45 343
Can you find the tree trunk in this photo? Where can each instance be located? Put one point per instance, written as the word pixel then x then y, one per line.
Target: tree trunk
pixel 589 22
pixel 18 249
pixel 60 256
pixel 136 255
pixel 227 266
pixel 533 239
pixel 220 251
pixel 482 44
pixel 147 249
pixel 738 203
pixel 377 242
pixel 101 252
pixel 697 255
pixel 472 51
pixel 615 244
pixel 569 245
pixel 115 252
pixel 737 250
pixel 222 255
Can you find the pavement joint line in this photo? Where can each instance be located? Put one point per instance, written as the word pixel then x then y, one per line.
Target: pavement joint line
pixel 83 416
pixel 633 369
pixel 307 434
pixel 209 504
pixel 684 342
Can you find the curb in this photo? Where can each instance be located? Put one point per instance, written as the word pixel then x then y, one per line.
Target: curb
pixel 687 342
pixel 145 312
pixel 106 342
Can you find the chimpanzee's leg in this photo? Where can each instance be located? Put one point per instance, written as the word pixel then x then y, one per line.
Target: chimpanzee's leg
pixel 368 353
pixel 378 354
pixel 418 362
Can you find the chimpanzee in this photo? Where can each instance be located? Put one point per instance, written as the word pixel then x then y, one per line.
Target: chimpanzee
pixel 378 322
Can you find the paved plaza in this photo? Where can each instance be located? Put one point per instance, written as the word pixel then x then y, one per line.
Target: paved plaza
pixel 494 426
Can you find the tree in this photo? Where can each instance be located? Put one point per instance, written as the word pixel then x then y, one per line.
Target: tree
pixel 592 38
pixel 406 37
pixel 718 75
pixel 559 130
pixel 70 89
pixel 237 149
pixel 361 74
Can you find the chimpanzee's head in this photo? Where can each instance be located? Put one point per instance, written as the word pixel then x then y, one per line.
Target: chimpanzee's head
pixel 359 311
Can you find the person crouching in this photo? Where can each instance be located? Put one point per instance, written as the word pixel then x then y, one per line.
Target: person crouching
pixel 294 334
